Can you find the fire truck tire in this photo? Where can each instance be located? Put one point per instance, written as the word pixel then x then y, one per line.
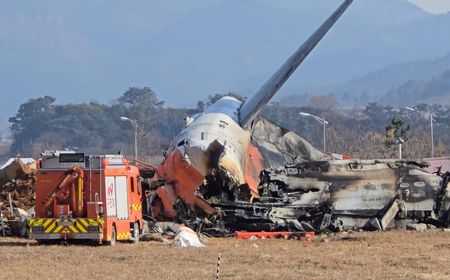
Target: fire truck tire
pixel 113 239
pixel 136 233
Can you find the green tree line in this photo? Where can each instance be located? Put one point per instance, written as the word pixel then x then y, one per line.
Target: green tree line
pixel 41 124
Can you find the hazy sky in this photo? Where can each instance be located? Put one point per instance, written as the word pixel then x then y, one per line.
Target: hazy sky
pixel 433 6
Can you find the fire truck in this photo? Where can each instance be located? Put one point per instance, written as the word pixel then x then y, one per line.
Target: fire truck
pixel 90 197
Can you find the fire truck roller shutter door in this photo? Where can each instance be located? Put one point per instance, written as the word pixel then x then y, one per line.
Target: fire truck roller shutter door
pixel 122 197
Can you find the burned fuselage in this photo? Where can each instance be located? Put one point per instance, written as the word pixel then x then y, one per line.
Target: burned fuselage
pixel 363 193
pixel 325 195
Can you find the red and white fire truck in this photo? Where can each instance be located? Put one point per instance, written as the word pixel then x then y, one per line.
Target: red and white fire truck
pixel 92 197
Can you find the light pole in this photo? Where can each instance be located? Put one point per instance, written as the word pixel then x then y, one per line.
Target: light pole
pixel 134 122
pixel 429 115
pixel 399 141
pixel 322 121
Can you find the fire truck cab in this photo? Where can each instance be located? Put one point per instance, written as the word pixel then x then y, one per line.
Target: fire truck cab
pixel 92 197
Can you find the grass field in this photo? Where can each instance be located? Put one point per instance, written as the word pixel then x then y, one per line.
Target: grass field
pixel 364 255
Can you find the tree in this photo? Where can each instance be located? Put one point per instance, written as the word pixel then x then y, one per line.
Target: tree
pixel 395 130
pixel 31 120
pixel 139 102
pixel 377 115
pixel 143 106
pixel 85 125
pixel 200 106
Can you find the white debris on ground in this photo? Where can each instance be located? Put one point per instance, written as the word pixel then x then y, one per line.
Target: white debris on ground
pixel 186 237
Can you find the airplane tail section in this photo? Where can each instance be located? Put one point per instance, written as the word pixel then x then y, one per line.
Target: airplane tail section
pixel 251 108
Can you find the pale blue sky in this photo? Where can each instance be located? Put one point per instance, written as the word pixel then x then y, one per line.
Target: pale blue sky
pixel 433 6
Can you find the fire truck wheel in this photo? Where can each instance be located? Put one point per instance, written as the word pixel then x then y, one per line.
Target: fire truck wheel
pixel 136 233
pixel 113 239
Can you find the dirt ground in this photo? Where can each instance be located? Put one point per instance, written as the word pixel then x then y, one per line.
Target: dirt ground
pixel 364 255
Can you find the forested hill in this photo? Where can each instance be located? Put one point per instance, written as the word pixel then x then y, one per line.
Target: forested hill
pixel 434 90
pixel 378 83
pixel 42 123
pixel 402 85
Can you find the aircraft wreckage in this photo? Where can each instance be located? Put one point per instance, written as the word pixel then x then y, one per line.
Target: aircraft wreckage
pixel 231 170
pixel 300 190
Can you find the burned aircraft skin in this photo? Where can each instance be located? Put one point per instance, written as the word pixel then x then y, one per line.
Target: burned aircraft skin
pixel 324 195
pixel 369 194
pixel 218 141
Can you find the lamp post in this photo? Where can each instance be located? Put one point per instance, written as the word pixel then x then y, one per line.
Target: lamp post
pixel 134 123
pixel 429 115
pixel 399 141
pixel 322 121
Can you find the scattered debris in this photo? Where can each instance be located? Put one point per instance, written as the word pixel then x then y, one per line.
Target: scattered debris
pixel 17 195
pixel 417 227
pixel 186 237
pixel 159 231
pixel 430 226
pixel 265 234
pixel 19 224
pixel 17 168
pixel 22 192
pixel 17 180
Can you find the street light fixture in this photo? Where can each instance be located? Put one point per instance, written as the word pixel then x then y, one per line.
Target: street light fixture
pixel 322 121
pixel 399 141
pixel 429 115
pixel 134 122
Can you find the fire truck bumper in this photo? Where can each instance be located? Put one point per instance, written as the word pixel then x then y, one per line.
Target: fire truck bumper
pixel 71 228
pixel 50 236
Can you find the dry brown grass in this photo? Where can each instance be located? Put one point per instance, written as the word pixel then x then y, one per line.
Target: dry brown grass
pixel 389 255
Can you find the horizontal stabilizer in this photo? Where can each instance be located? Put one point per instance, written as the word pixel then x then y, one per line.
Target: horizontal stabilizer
pixel 251 108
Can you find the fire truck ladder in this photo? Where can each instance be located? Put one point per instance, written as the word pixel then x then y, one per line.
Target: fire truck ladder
pixel 62 190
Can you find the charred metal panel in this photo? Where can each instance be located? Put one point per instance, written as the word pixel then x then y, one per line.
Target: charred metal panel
pixel 358 190
pixel 278 145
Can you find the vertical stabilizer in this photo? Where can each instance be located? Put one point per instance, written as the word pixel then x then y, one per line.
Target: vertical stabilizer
pixel 251 108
